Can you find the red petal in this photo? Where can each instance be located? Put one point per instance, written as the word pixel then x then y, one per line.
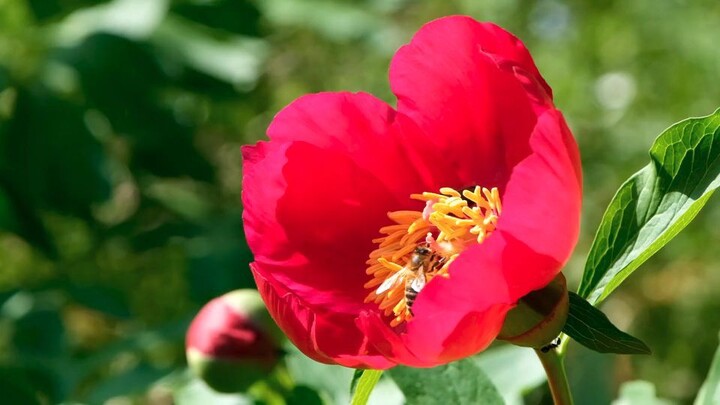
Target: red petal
pixel 294 318
pixel 464 83
pixel 357 125
pixel 509 51
pixel 310 215
pixel 542 201
pixel 389 342
pixel 326 337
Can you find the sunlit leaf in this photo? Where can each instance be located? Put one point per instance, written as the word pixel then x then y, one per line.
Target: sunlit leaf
pixel 365 384
pixel 591 328
pixel 655 204
pixel 461 382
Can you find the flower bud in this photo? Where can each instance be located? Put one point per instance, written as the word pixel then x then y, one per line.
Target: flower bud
pixel 233 342
pixel 539 317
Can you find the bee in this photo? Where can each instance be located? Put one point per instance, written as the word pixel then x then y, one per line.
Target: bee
pixel 413 275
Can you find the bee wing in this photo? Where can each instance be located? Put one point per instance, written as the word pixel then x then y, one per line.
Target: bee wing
pixel 392 281
pixel 418 282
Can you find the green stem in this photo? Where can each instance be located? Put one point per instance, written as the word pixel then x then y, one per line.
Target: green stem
pixel 564 340
pixel 557 380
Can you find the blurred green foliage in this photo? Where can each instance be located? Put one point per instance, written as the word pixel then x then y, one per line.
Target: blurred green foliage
pixel 120 172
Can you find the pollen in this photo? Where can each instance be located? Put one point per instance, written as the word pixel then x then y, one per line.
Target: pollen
pixel 420 245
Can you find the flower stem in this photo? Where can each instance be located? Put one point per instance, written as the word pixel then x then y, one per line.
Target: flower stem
pixel 557 380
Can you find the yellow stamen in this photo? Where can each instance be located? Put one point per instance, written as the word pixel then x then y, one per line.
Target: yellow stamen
pixel 454 221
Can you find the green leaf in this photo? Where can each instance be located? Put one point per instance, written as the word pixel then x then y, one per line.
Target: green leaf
pixel 302 395
pixel 514 371
pixel 639 393
pixel 237 16
pixel 655 204
pixel 336 21
pixel 461 382
pixel 133 381
pixel 710 392
pixel 18 387
pixel 189 390
pixel 355 379
pixel 33 171
pixel 331 382
pixel 234 59
pixel 161 144
pixel 592 329
pixel 365 385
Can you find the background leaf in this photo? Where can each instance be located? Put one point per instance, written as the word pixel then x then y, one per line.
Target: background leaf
pixel 639 393
pixel 710 392
pixel 53 162
pixel 331 381
pixel 591 328
pixel 186 389
pixel 15 389
pixel 514 371
pixel 655 204
pixel 461 382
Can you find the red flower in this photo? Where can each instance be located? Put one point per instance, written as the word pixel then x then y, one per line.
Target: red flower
pixel 472 111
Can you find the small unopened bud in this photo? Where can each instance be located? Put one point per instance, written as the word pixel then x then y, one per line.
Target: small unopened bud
pixel 539 317
pixel 233 342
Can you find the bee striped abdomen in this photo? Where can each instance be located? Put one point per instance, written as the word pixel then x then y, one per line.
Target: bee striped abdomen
pixel 410 295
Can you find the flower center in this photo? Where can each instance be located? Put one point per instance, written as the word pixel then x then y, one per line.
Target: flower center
pixel 420 246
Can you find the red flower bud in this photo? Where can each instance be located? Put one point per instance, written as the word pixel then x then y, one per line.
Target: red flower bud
pixel 539 317
pixel 233 342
